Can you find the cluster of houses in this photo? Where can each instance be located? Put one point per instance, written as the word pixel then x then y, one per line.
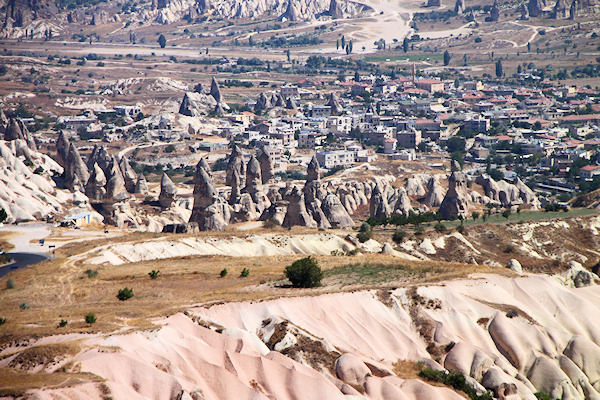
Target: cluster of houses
pixel 407 117
pixel 370 117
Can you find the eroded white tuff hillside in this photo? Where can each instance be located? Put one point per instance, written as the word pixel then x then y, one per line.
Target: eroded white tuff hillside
pixel 34 18
pixel 172 10
pixel 511 336
pixel 27 192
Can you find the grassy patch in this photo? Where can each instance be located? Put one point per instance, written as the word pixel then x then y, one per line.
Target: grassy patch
pixel 455 380
pixel 526 216
pixel 371 273
pixel 15 383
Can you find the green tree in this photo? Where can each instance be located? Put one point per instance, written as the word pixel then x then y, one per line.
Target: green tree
pixel 456 143
pixel 499 71
pixel 304 273
pixel 162 41
pixel 405 45
pixel 337 44
pixel 343 42
pixel 288 55
pixel 3 215
pixel 447 57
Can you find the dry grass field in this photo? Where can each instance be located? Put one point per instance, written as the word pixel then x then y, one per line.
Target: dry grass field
pixel 68 288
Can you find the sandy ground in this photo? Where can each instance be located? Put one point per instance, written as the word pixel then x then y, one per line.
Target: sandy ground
pixel 27 236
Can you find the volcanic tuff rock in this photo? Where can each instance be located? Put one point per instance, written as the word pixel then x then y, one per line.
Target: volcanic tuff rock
pixel 236 162
pixel 296 213
pixel 335 212
pixel 414 187
pixel 334 103
pixel 210 211
pixel 455 202
pixel 459 6
pixel 254 181
pixel 535 8
pixel 236 192
pixel 495 11
pixel 76 172
pixel 168 191
pixel 290 104
pixel 196 104
pixel 215 91
pixel 266 166
pixel 95 187
pixel 378 205
pixel 290 13
pixel 141 186
pixel 129 174
pixel 335 10
pixel 263 103
pixel 62 148
pixel 115 185
pixel 24 195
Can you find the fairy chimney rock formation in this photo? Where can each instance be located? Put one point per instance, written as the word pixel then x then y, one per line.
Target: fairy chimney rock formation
pixel 167 191
pixel 236 162
pixel 266 166
pixel 141 186
pixel 95 187
pixel 312 171
pixel 76 173
pixel 215 91
pixel 129 175
pixel 209 211
pixel 455 202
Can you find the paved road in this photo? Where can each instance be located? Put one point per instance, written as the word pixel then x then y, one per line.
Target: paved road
pixel 22 260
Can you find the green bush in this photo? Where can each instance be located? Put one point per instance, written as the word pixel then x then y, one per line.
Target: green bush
pixel 398 236
pixel 91 273
pixel 364 236
pixel 125 294
pixel 419 230
pixel 24 306
pixel 304 273
pixel 154 273
pixel 2 321
pixel 10 283
pixel 90 318
pixel 245 273
pixel 542 396
pixel 365 227
pixel 353 252
pixel 223 273
pixel 63 323
pixel 454 380
pixel 439 227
